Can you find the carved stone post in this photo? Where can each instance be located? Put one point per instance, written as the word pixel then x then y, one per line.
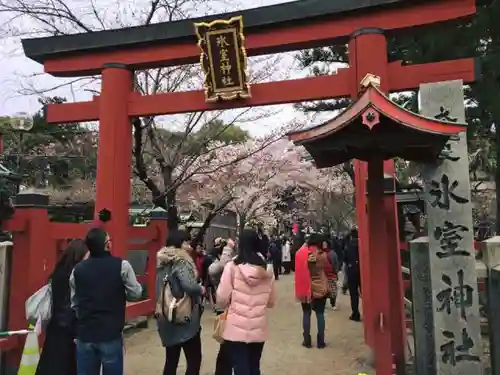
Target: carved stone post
pixel 453 312
pixel 491 256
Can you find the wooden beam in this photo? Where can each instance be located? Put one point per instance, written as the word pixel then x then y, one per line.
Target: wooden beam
pixel 292 91
pixel 269 93
pixel 300 36
pixel 408 77
pixel 73 112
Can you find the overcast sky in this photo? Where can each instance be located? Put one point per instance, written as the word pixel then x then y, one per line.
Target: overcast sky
pixel 17 72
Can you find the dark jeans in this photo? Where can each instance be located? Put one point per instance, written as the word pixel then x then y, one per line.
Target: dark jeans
pixel 354 283
pixel 223 364
pixel 277 270
pixel 287 266
pixel 318 306
pixel 245 357
pixel 192 352
pixel 90 356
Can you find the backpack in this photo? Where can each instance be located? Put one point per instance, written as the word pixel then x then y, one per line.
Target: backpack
pixel 319 281
pixel 172 309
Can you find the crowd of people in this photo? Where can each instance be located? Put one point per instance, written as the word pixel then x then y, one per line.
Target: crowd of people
pixel 90 288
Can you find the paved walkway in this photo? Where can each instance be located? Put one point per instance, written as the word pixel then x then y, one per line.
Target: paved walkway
pixel 283 352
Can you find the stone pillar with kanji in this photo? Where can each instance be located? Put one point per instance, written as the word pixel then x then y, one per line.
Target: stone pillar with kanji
pixel 444 281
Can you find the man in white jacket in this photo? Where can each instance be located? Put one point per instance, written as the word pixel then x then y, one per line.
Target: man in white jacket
pixel 286 255
pixel 216 268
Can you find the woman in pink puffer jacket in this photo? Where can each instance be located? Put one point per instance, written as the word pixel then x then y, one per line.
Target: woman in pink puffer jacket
pixel 247 289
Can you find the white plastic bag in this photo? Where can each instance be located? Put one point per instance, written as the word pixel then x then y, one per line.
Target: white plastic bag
pixel 270 268
pixel 39 305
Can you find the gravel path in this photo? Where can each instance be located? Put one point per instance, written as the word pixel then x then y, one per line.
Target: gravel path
pixel 283 353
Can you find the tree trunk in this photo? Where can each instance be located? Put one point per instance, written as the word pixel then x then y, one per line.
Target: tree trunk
pixel 348 168
pixel 206 224
pixel 198 240
pixel 497 178
pixel 172 213
pixel 242 223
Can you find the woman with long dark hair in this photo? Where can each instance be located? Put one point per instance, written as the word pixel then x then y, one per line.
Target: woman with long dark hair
pixel 247 290
pixel 58 354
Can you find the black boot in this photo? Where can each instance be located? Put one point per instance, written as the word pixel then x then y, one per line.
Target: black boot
pixel 307 341
pixel 320 339
pixel 355 317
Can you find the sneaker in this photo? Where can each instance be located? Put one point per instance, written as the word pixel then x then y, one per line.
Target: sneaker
pixel 335 308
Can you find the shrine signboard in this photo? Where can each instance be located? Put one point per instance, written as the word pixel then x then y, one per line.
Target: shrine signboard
pixel 446 299
pixel 223 59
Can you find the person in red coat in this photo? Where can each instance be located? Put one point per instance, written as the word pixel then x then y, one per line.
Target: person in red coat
pixel 311 287
pixel 198 259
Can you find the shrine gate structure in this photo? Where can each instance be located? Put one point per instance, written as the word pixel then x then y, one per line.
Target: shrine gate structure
pixel 375 129
pixel 116 54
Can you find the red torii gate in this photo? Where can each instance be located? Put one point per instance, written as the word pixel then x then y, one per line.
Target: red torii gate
pixel 115 54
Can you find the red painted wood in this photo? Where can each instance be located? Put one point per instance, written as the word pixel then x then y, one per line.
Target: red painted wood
pixel 368 54
pixel 30 268
pixel 17 224
pixel 149 231
pixel 361 173
pixel 373 97
pixel 143 279
pixel 299 36
pixel 481 285
pixel 141 308
pixel 405 77
pixel 380 259
pixel 279 92
pixel 62 231
pixel 117 104
pixel 396 285
pixel 114 155
pixel 32 264
pixel 10 343
pixel 73 112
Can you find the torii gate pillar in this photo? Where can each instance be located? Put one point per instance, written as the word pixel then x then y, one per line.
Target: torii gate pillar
pixel 114 157
pixel 382 282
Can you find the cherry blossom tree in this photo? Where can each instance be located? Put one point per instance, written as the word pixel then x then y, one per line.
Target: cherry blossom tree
pixel 329 202
pixel 166 149
pixel 252 186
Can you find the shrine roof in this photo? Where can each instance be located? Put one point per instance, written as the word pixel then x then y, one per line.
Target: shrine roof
pixel 376 126
pixel 256 19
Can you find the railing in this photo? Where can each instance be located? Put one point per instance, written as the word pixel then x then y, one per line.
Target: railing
pixel 37 243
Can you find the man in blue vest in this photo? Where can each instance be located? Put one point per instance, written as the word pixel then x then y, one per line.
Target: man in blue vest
pixel 100 287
